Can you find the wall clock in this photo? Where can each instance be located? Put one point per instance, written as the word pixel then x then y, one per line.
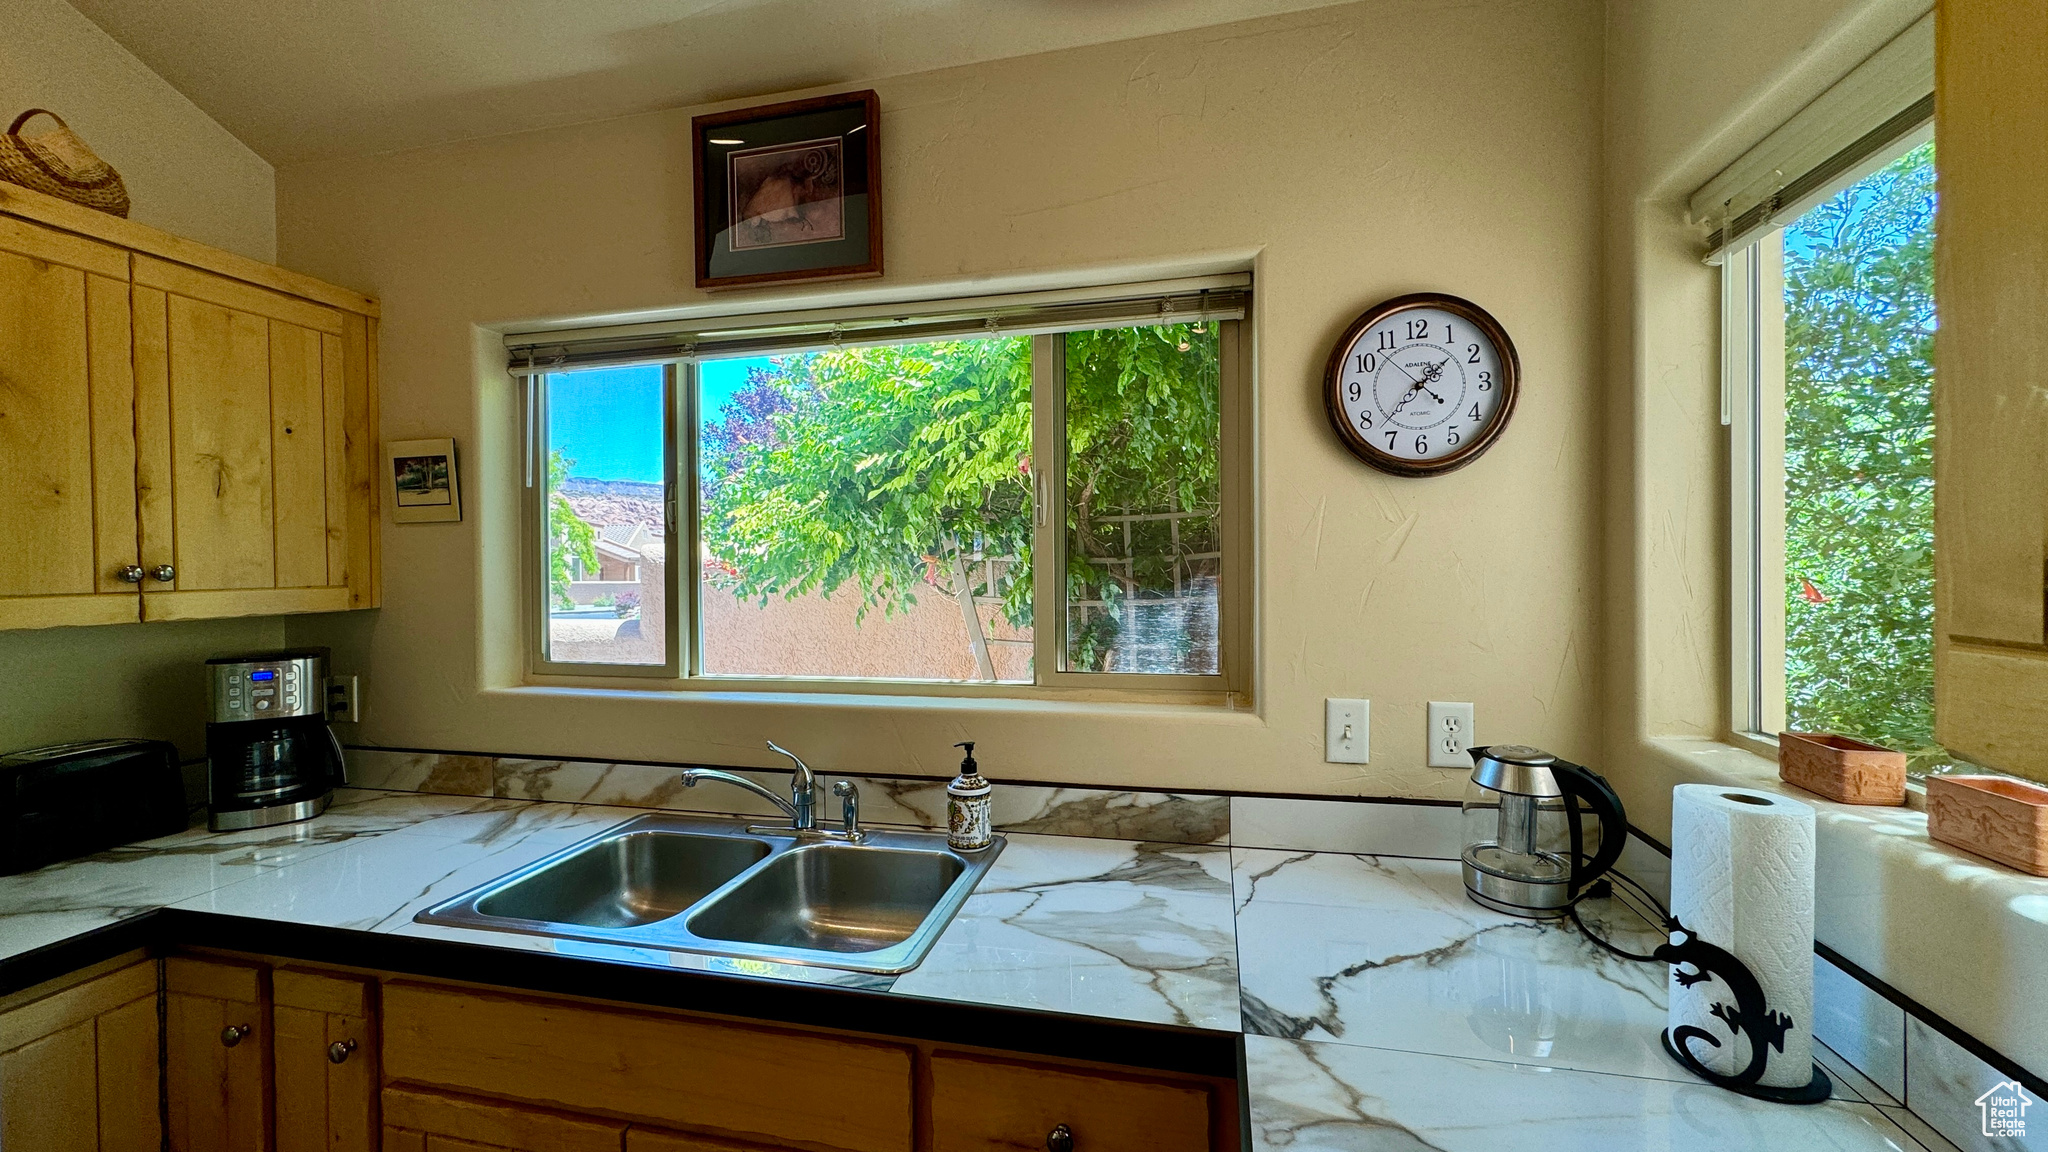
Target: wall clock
pixel 1421 384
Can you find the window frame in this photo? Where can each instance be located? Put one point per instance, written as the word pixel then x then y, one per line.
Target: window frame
pixel 533 518
pixel 1753 410
pixel 1229 687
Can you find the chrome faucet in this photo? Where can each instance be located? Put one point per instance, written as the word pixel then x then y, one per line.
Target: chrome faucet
pixel 803 789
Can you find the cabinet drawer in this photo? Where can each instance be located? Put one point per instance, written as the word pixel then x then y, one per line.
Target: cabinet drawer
pixel 725 1079
pixel 985 1105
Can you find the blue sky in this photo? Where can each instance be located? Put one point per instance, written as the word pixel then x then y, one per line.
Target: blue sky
pixel 608 421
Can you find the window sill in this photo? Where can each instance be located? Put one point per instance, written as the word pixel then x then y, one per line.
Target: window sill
pixel 1220 706
pixel 1960 934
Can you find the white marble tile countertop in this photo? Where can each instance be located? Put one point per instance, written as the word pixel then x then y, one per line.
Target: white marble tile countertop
pixel 1381 1008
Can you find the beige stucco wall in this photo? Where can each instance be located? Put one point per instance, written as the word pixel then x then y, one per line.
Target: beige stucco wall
pixel 1350 154
pixel 185 174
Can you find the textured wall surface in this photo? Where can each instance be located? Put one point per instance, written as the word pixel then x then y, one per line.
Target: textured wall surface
pixel 185 173
pixel 1349 154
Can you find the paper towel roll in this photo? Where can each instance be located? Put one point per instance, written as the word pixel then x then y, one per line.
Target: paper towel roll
pixel 1742 879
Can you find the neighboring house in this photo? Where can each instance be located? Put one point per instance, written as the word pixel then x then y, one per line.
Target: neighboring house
pixel 622 551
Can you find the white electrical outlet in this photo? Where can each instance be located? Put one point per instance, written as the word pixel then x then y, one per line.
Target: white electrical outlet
pixel 1450 734
pixel 1347 731
pixel 344 699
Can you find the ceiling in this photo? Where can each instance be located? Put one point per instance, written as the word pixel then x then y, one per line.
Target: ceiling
pixel 312 79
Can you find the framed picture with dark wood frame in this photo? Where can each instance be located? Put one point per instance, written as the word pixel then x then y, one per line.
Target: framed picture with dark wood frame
pixel 789 192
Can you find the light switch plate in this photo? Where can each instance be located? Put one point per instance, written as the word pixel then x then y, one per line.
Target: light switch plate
pixel 1347 731
pixel 1450 734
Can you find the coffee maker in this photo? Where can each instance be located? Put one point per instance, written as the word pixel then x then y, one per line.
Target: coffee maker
pixel 270 756
pixel 1525 846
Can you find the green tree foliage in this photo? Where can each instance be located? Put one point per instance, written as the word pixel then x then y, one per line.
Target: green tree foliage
pixel 873 467
pixel 569 537
pixel 1143 417
pixel 1859 462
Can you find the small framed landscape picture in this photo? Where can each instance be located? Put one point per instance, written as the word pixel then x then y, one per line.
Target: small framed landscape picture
pixel 425 484
pixel 789 192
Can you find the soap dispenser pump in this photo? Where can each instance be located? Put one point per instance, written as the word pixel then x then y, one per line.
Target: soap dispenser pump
pixel 967 819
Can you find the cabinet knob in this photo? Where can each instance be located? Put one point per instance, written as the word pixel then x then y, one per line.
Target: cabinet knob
pixel 339 1050
pixel 129 574
pixel 1060 1139
pixel 164 573
pixel 232 1034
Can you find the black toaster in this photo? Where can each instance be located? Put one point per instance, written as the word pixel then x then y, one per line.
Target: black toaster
pixel 71 800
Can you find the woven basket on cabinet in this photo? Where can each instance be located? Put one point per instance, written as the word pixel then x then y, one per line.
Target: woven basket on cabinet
pixel 60 164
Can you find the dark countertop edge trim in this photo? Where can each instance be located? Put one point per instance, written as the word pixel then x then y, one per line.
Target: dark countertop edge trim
pixel 1198 1051
pixel 679 765
pixel 2004 1064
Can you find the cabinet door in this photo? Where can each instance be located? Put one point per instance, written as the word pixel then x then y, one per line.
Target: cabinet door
pixel 241 427
pixel 324 1060
pixel 217 1037
pixel 78 1067
pixel 984 1105
pixel 67 440
pixel 1991 386
pixel 416 1120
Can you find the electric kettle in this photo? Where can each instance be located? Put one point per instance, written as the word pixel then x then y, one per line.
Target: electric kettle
pixel 1524 842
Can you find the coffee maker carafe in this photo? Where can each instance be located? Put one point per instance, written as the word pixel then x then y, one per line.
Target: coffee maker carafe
pixel 1525 851
pixel 270 756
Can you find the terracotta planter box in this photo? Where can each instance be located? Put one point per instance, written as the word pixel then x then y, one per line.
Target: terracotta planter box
pixel 1840 768
pixel 2005 820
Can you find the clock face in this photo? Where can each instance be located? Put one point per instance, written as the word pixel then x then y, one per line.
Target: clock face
pixel 1421 384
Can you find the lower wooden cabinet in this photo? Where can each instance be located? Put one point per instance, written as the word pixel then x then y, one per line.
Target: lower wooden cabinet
pixel 217 1049
pixel 981 1104
pixel 418 1120
pixel 292 1058
pixel 78 1065
pixel 324 1061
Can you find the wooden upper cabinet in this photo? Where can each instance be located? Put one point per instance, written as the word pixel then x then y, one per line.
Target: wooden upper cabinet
pixel 67 440
pixel 1991 384
pixel 177 422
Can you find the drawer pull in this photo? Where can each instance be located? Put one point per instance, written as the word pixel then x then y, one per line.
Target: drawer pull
pixel 339 1050
pixel 1060 1139
pixel 164 573
pixel 232 1035
pixel 129 574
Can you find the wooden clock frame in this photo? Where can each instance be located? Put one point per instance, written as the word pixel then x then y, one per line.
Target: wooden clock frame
pixel 1473 314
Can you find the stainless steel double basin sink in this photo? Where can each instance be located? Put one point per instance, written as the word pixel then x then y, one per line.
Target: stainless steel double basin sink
pixel 726 888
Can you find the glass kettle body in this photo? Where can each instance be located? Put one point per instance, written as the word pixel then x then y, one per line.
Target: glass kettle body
pixel 1526 851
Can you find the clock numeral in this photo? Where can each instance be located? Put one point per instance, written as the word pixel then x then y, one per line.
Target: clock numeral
pixel 1485 381
pixel 1421 445
pixel 1390 440
pixel 1354 391
pixel 1386 340
pixel 1368 362
pixel 1418 329
pixel 1365 420
pixel 1471 353
pixel 1453 437
pixel 1475 412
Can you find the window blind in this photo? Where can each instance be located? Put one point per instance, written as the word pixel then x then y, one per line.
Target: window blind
pixel 1827 143
pixel 1162 302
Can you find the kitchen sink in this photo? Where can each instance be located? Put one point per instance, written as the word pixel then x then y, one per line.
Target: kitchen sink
pixel 729 888
pixel 833 898
pixel 619 881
